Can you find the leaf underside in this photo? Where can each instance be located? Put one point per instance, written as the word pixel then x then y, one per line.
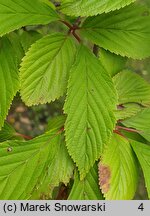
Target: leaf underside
pixel 89 106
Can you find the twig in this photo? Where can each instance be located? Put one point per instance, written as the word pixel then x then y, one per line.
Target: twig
pixel 24 136
pixel 119 133
pixel 127 129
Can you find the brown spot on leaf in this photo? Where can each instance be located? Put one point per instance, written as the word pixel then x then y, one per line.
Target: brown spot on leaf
pixel 104 177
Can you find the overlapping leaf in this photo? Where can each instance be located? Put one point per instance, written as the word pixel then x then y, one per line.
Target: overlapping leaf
pixel 56 122
pixel 125 32
pixel 16 45
pixel 86 189
pixel 9 78
pixel 92 7
pixel 30 166
pixel 60 170
pixel 127 110
pixel 111 62
pixel 132 88
pixel 118 170
pixel 27 38
pixel 45 69
pixel 141 122
pixel 15 14
pixel 90 102
pixel 143 154
pixel 8 133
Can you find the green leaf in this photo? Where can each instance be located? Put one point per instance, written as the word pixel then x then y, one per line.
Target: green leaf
pixel 9 78
pixel 93 7
pixel 111 62
pixel 15 14
pixel 118 170
pixel 141 122
pixel 143 154
pixel 48 3
pixel 89 106
pixel 8 133
pixel 125 31
pixel 56 122
pixel 60 170
pixel 127 110
pixel 16 45
pixel 26 167
pixel 133 136
pixel 27 38
pixel 88 188
pixel 132 88
pixel 45 69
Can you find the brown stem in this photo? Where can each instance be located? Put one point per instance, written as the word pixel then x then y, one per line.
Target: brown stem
pixel 24 136
pixel 60 131
pixel 76 36
pixel 119 133
pixel 72 29
pixel 30 138
pixel 127 129
pixel 66 23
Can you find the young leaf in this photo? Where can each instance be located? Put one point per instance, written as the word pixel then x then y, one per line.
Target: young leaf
pixel 15 14
pixel 141 122
pixel 45 69
pixel 89 106
pixel 125 31
pixel 26 167
pixel 132 88
pixel 143 154
pixel 91 8
pixel 9 78
pixel 111 62
pixel 118 170
pixel 87 189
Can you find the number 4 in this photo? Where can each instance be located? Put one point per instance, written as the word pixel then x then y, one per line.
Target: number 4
pixel 141 207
